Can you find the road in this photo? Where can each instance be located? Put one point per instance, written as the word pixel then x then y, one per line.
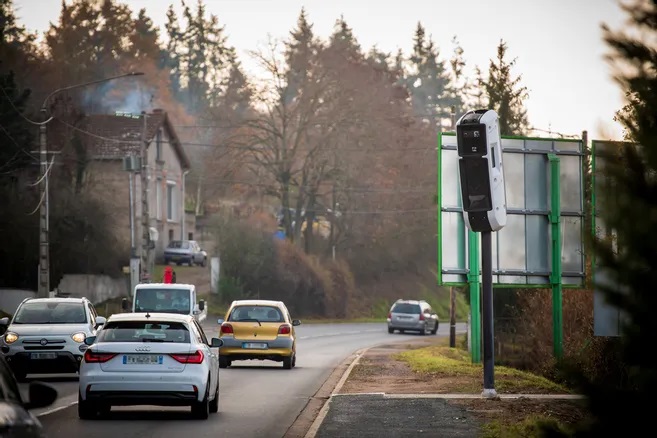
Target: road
pixel 257 399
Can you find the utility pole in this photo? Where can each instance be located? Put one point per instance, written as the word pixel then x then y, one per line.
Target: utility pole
pixel 44 201
pixel 44 219
pixel 145 220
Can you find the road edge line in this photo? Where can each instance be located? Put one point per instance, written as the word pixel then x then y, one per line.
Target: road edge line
pixel 314 427
pixel 57 409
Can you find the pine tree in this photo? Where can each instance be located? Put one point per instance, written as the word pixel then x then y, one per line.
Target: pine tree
pixel 429 83
pixel 343 40
pixel 630 174
pixel 505 95
pixel 300 52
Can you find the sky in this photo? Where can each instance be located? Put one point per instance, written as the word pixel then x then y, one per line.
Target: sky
pixel 558 43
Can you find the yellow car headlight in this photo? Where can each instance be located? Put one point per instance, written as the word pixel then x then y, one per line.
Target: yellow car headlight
pixel 79 337
pixel 11 337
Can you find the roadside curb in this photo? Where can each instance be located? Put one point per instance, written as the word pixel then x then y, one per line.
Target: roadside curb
pixel 467 396
pixel 314 427
pixel 311 416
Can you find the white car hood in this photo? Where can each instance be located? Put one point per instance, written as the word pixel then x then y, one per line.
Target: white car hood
pixel 47 329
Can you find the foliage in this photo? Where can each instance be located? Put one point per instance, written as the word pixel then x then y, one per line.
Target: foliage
pixel 505 94
pixel 255 266
pixel 628 258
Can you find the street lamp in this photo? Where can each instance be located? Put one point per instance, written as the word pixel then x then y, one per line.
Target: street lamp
pixel 44 213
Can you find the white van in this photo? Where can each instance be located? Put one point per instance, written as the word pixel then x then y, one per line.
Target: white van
pixel 167 298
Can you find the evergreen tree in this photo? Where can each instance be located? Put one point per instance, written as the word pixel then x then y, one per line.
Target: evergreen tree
pixel 378 60
pixel 505 95
pixel 144 39
pixel 630 174
pixel 343 40
pixel 429 82
pixel 460 89
pixel 300 53
pixel 196 55
pixel 236 95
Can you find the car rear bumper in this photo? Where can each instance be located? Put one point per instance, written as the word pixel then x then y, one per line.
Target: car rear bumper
pixel 166 386
pixel 400 325
pixel 276 349
pixel 135 397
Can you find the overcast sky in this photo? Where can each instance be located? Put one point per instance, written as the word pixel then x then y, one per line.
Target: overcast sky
pixel 558 43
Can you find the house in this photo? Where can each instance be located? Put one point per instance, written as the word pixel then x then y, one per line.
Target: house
pixel 108 141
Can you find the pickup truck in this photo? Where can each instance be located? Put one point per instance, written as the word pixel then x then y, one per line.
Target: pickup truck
pixel 166 298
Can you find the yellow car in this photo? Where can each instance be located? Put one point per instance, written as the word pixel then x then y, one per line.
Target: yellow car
pixel 258 329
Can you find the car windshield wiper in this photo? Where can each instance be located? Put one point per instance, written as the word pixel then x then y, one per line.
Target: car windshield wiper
pixel 248 320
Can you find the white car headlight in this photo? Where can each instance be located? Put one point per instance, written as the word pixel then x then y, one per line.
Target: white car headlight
pixel 79 337
pixel 11 337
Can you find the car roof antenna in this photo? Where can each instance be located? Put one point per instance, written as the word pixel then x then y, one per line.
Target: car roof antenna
pixel 148 315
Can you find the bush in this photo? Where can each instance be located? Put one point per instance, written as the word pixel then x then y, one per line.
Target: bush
pixel 254 265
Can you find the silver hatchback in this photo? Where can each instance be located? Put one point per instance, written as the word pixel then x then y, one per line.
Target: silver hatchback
pixel 412 315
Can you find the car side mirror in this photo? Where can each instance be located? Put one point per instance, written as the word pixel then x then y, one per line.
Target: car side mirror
pixel 220 321
pixel 100 321
pixel 4 321
pixel 89 340
pixel 40 395
pixel 201 305
pixel 216 343
pixel 296 322
pixel 124 304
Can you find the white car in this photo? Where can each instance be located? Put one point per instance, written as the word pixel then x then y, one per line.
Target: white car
pixel 159 359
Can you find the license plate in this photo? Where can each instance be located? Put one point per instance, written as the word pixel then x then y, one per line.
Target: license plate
pixel 43 356
pixel 255 345
pixel 143 359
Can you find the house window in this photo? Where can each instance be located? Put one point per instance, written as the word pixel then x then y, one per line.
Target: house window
pixel 158 145
pixel 158 199
pixel 170 235
pixel 190 236
pixel 172 205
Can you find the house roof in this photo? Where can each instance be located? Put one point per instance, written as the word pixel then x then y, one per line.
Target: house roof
pixel 116 136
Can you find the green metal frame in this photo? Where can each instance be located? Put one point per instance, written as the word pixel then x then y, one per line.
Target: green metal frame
pixel 473 252
pixel 555 276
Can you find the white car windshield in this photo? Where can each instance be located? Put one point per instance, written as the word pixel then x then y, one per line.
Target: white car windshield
pixel 51 312
pixel 167 300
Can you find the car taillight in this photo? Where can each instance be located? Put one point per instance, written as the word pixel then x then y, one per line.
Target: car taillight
pixel 389 315
pixel 284 330
pixel 94 357
pixel 196 357
pixel 226 329
pixel 421 316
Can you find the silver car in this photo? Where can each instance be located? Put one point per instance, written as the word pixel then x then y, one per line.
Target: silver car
pixel 185 251
pixel 159 359
pixel 412 315
pixel 46 335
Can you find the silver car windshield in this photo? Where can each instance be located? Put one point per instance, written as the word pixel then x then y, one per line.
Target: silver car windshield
pixel 163 300
pixel 51 313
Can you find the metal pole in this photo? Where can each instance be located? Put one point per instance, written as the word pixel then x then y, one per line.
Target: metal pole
pixel 44 243
pixel 184 213
pixel 452 318
pixel 489 342
pixel 145 237
pixel 131 177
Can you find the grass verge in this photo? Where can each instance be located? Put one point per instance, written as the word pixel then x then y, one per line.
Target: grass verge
pixel 531 427
pixel 441 361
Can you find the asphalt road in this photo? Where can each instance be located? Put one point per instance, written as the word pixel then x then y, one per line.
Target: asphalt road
pixel 257 399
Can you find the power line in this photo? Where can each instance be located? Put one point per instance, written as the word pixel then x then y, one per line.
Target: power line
pixel 11 102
